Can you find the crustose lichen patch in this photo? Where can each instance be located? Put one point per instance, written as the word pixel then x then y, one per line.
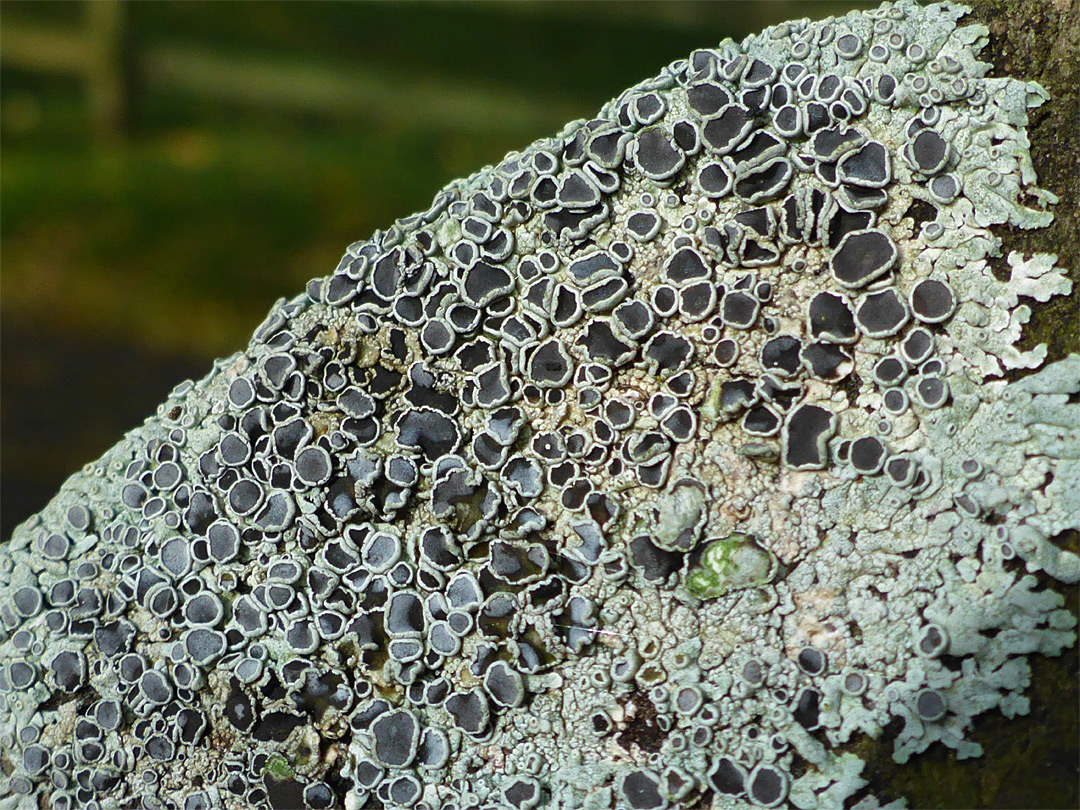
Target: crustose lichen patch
pixel 646 469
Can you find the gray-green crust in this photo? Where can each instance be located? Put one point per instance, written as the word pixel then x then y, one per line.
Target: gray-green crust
pixel 659 466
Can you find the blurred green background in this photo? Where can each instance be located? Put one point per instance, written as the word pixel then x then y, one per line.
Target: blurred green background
pixel 168 169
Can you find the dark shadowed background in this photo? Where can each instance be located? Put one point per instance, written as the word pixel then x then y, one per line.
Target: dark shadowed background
pixel 169 169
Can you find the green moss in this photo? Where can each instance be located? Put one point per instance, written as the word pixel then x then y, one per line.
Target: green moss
pixel 278 767
pixel 734 562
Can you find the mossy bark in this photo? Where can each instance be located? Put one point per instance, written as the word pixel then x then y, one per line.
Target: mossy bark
pixel 1030 761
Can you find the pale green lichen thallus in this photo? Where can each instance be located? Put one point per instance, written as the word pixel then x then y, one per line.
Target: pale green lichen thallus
pixel 647 469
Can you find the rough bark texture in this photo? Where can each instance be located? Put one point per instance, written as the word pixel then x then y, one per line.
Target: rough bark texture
pixel 1032 761
pixel 1039 40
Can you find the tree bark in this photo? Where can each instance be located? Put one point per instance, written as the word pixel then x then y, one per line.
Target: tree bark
pixel 1030 761
pixel 1039 40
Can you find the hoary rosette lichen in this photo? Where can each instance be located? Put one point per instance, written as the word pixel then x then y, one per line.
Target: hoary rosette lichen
pixel 645 469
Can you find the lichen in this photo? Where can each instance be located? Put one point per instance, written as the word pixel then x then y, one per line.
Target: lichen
pixel 278 767
pixel 663 464
pixel 728 564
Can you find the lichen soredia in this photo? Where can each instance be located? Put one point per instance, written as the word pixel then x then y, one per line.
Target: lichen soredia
pixel 646 469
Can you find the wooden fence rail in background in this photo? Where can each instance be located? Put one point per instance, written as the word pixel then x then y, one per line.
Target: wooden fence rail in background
pixel 96 53
pixel 103 54
pixel 352 90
